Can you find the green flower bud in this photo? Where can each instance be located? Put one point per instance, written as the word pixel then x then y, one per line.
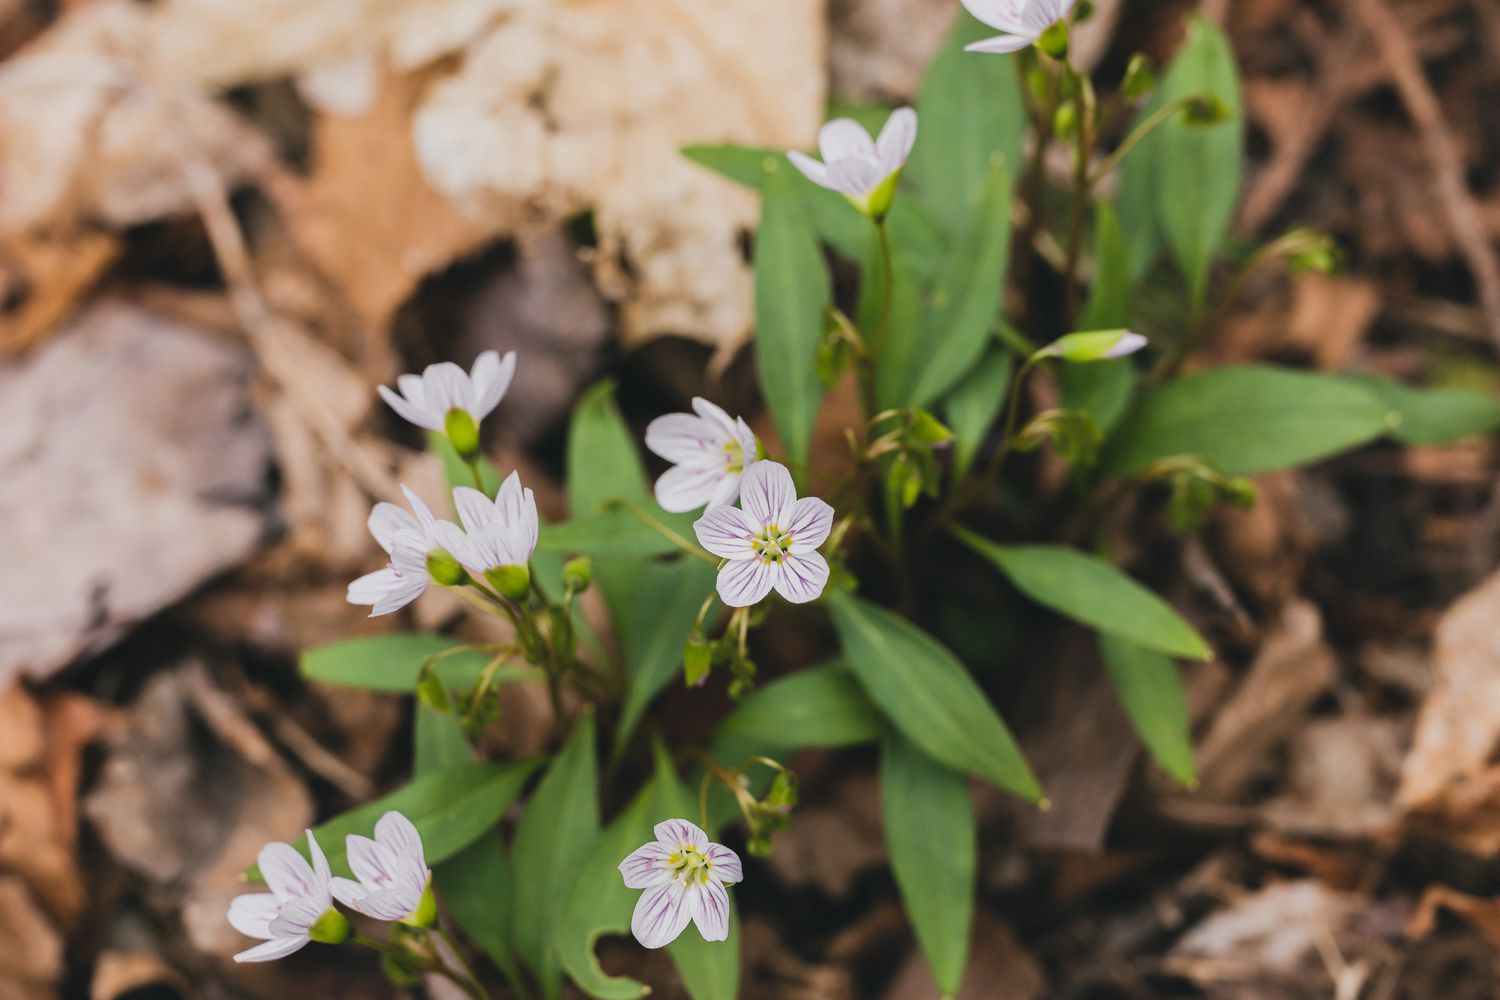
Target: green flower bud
pixel 926 429
pixel 697 658
pixel 878 202
pixel 331 928
pixel 1205 110
pixel 463 434
pixel 1094 345
pixel 1054 41
pixel 577 573
pixel 1140 78
pixel 445 569
pixel 1065 121
pixel 432 692
pixel 512 581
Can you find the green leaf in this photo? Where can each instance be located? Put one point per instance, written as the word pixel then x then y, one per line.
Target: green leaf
pixel 975 403
pixel 554 837
pixel 1151 691
pixel 1433 416
pixel 615 532
pixel 820 707
pixel 929 828
pixel 600 903
pixel 929 696
pixel 965 296
pixel 438 742
pixel 710 969
pixel 450 809
pixel 390 662
pixel 971 121
pixel 1245 419
pixel 1140 220
pixel 1103 389
pixel 792 289
pixel 1198 167
pixel 655 623
pixel 1090 590
pixel 903 333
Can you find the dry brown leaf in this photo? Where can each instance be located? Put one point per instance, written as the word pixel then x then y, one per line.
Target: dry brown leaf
pixel 51 275
pixel 1330 317
pixel 131 470
pixel 31 964
pixel 94 126
pixel 119 974
pixel 1482 913
pixel 1273 930
pixel 1294 666
pixel 1342 777
pixel 586 105
pixel 999 969
pixel 831 843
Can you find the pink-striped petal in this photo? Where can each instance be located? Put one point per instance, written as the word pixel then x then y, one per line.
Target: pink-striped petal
pixel 726 531
pixel 809 521
pixel 683 487
pixel 766 490
pixel 710 910
pixel 410 412
pixel 488 381
pixel 680 833
pixel 660 915
pixel 725 864
pixel 474 509
pixel 646 866
pixel 856 177
pixel 387 521
pixel 682 438
pixel 252 913
pixel 845 138
pixel 745 582
pixel 287 873
pixel 400 834
pixel 272 950
pixel 801 578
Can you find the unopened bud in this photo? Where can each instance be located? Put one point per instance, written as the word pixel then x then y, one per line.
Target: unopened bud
pixel 1140 77
pixel 576 574
pixel 512 581
pixel 463 434
pixel 445 569
pixel 1094 345
pixel 432 692
pixel 697 658
pixel 1205 110
pixel 1054 41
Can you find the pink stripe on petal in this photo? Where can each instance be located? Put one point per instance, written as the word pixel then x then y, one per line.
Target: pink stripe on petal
pixel 475 510
pixel 646 866
pixel 373 864
pixel 726 864
pixel 855 177
pixel 399 834
pixel 766 490
pixel 660 915
pixel 679 833
pixel 682 438
pixel 726 532
pixel 286 871
pixel 801 578
pixel 683 488
pixel 711 910
pixel 745 582
pixel 809 521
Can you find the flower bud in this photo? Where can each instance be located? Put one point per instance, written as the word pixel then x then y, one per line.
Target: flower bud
pixel 576 574
pixel 512 581
pixel 697 658
pixel 1094 345
pixel 1065 121
pixel 1140 78
pixel 445 569
pixel 331 928
pixel 432 692
pixel 1054 41
pixel 1205 110
pixel 425 915
pixel 463 434
pixel 926 429
pixel 878 202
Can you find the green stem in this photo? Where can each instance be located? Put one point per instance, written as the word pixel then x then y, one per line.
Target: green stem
pixel 478 478
pixel 469 981
pixel 1012 414
pixel 1082 189
pixel 1145 128
pixel 664 531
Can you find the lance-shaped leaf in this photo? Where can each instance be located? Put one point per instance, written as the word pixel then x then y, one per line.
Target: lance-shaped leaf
pixel 1151 691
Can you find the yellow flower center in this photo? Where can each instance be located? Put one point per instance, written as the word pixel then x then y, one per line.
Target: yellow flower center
pixel 689 865
pixel 772 545
pixel 734 456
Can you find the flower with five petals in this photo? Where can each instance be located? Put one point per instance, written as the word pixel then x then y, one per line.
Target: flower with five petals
pixel 771 540
pixel 863 170
pixel 298 909
pixel 709 452
pixel 391 870
pixel 684 877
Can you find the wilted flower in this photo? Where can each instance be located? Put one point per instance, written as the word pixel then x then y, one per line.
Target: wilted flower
pixel 298 909
pixel 406 537
pixel 709 452
pixel 1023 21
pixel 446 398
pixel 497 535
pixel 771 542
pixel 391 870
pixel 684 877
pixel 863 171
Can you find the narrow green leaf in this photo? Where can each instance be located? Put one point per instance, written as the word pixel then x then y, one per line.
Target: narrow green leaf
pixel 929 828
pixel 975 404
pixel 971 120
pixel 438 742
pixel 653 627
pixel 616 532
pixel 1091 591
pixel 1198 169
pixel 792 289
pixel 1245 419
pixel 1140 215
pixel 1151 691
pixel 965 296
pixel 554 837
pixel 820 707
pixel 450 809
pixel 929 696
pixel 1103 389
pixel 1433 416
pixel 389 662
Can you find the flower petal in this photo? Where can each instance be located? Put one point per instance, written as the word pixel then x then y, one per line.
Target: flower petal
pixel 252 913
pixel 1001 44
pixel 400 834
pixel 1004 15
pixel 646 866
pixel 394 903
pixel 447 388
pixel 683 488
pixel 683 439
pixel 811 168
pixel 660 914
pixel 387 520
pixel 680 833
pixel 766 490
pixel 488 381
pixel 516 507
pixel 296 917
pixel 374 864
pixel 726 532
pixel 721 423
pixel 710 910
pixel 286 872
pixel 726 864
pixel 419 507
pixel 401 591
pixel 845 138
pixel 272 950
pixel 745 582
pixel 474 508
pixel 321 873
pixel 1129 343
pixel 348 891
pixel 408 411
pixel 801 578
pixel 809 521
pixel 896 139
pixel 855 177
pixel 726 490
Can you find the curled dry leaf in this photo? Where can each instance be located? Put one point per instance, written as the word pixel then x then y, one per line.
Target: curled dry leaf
pixel 132 469
pixel 1275 930
pixel 1341 777
pixel 31 964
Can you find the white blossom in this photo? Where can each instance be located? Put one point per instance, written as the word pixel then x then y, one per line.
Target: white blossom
pixel 406 536
pixel 495 533
pixel 284 918
pixel 391 870
pixel 1023 21
pixel 863 170
pixel 709 451
pixel 771 540
pixel 427 399
pixel 684 877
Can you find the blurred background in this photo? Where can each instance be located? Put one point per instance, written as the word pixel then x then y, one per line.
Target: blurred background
pixel 223 223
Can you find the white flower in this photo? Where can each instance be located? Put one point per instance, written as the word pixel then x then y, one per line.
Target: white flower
pixel 391 870
pixel 772 542
pixel 684 877
pixel 427 399
pixel 709 453
pixel 497 533
pixel 299 899
pixel 863 171
pixel 1023 21
pixel 406 537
